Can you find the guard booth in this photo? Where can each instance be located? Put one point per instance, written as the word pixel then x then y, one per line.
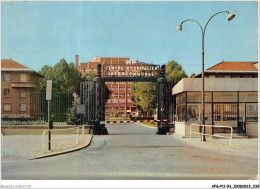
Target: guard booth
pixel 149 73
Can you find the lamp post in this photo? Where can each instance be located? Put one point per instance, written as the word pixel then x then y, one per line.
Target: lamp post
pixel 230 17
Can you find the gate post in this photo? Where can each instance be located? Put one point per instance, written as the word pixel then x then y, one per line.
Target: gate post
pixel 99 100
pixel 162 84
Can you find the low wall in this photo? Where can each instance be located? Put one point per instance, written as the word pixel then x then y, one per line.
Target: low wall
pixel 183 129
pixel 252 129
pixel 36 130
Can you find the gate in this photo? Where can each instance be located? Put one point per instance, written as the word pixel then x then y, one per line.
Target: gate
pixel 150 73
pixel 86 107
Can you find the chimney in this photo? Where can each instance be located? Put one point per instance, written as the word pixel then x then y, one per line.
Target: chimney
pixel 77 60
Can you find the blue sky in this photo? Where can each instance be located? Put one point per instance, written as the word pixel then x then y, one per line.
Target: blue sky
pixel 41 33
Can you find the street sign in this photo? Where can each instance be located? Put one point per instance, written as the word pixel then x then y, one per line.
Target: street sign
pixel 48 89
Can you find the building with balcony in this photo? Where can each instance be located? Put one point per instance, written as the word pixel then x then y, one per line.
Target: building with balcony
pixel 18 82
pixel 231 99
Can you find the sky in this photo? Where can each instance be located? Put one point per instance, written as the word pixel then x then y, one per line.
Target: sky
pixel 41 33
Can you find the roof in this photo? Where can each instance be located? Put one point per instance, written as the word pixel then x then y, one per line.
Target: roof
pixel 11 65
pixel 8 63
pixel 234 66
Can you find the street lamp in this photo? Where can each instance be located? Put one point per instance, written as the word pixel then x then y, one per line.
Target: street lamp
pixel 230 17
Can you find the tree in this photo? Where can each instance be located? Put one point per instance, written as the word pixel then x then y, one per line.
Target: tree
pixel 144 97
pixel 46 71
pixel 66 78
pixel 174 72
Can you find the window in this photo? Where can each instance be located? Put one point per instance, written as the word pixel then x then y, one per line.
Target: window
pixel 225 96
pixel 6 77
pixel 22 107
pixel 251 112
pixel 23 77
pixel 196 97
pixel 6 107
pixel 225 112
pixel 248 96
pixel 7 93
pixel 23 93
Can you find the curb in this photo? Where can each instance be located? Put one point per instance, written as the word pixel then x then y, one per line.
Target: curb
pixel 63 152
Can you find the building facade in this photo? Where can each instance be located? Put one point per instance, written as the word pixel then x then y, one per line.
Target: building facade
pixel 18 82
pixel 120 103
pixel 231 99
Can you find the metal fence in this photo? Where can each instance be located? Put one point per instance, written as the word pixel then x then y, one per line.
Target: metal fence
pixel 32 108
pixel 87 102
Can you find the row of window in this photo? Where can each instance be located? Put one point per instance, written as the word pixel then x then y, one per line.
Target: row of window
pixel 120 95
pixel 118 100
pixel 120 89
pixel 87 70
pixel 7 77
pixel 115 108
pixel 217 97
pixel 7 106
pixel 221 112
pixel 7 93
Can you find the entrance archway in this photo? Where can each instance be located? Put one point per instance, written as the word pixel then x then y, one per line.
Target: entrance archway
pixel 147 73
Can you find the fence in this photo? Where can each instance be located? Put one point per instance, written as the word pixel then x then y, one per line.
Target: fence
pixel 32 108
pixel 87 101
pixel 63 138
pixel 203 129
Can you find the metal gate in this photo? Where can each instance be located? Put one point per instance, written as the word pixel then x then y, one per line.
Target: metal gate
pixel 86 107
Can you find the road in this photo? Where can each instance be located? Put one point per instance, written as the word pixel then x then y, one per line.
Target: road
pixel 133 151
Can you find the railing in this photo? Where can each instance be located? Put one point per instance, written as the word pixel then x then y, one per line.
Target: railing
pixel 31 108
pixel 203 128
pixel 79 134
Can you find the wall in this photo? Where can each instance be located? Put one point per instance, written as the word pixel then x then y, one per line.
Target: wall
pixel 216 84
pixel 183 129
pixel 252 129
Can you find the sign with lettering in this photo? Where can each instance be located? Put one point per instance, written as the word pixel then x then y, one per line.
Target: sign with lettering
pixel 141 70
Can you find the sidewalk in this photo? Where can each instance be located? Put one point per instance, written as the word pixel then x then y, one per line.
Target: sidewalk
pixel 245 147
pixel 24 147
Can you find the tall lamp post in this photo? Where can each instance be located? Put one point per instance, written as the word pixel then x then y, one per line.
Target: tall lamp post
pixel 230 17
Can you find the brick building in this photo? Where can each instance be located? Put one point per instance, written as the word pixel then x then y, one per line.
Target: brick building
pixel 120 103
pixel 17 84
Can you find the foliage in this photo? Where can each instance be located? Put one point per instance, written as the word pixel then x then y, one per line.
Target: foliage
pixel 66 78
pixel 174 72
pixel 144 97
pixel 72 114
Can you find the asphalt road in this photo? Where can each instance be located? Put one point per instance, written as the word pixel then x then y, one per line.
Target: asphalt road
pixel 133 151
